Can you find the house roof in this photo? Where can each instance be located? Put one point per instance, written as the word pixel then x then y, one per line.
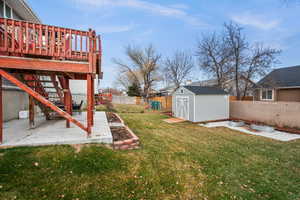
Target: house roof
pixel 198 90
pixel 282 77
pixel 24 10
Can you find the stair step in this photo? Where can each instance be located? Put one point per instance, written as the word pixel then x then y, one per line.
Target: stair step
pixel 43 87
pixel 46 81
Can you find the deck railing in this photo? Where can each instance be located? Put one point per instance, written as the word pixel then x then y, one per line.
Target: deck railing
pixel 22 38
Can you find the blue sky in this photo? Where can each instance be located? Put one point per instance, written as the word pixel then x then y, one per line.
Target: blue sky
pixel 172 25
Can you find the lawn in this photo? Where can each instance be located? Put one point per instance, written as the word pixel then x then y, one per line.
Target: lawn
pixel 176 161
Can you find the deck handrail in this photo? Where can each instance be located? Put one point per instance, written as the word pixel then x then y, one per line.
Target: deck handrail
pixel 22 38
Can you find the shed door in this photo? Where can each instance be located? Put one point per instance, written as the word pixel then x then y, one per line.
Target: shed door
pixel 182 108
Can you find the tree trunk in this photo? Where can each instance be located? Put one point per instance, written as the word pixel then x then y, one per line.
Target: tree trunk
pixel 237 89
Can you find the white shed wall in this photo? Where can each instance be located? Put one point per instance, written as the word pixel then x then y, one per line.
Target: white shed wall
pixel 186 93
pixel 211 107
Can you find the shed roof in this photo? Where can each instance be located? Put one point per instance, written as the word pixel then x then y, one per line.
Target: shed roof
pixel 198 90
pixel 283 77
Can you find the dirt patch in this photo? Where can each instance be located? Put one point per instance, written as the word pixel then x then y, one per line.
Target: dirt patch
pixel 120 134
pixel 112 118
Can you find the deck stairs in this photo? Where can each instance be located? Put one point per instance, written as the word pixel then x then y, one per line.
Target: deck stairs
pixel 48 87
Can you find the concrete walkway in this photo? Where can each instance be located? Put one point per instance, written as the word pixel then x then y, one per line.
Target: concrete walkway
pixel 54 132
pixel 276 135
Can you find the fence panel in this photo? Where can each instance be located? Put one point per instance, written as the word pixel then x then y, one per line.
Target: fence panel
pixel 246 98
pixel 166 102
pixel 123 100
pixel 281 114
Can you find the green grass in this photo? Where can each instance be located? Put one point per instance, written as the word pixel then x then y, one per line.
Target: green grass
pixel 176 161
pixel 121 108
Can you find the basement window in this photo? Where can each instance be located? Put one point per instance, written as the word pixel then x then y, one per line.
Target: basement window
pixel 8 11
pixel 267 95
pixel 1 8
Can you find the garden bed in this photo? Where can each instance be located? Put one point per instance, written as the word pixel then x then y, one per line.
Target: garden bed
pixel 124 138
pixel 113 118
pixel 120 133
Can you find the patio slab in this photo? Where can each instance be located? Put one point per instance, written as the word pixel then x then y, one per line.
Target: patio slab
pixel 54 132
pixel 174 120
pixel 276 135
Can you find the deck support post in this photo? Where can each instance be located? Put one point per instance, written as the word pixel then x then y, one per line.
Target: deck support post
pixel 31 112
pixel 93 100
pixel 89 104
pixel 1 112
pixel 67 99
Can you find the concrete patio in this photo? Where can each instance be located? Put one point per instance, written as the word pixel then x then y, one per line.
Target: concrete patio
pixel 54 132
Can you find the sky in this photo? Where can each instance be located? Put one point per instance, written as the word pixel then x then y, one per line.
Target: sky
pixel 172 25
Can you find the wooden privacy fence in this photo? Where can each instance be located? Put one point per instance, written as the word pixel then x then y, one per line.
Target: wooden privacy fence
pixel 246 98
pixel 166 102
pixel 281 114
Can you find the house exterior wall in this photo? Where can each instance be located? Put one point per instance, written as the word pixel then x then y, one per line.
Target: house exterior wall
pixel 186 93
pixel 288 95
pixel 282 114
pixel 211 107
pixel 14 100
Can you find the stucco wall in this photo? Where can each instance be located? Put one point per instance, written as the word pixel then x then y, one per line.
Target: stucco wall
pixel 211 107
pixel 282 114
pixel 14 100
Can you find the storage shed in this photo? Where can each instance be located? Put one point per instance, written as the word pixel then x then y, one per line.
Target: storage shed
pixel 198 104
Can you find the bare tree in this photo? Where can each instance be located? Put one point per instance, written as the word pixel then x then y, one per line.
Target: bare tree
pixel 229 56
pixel 237 45
pixel 178 68
pixel 144 64
pixel 247 61
pixel 126 79
pixel 259 63
pixel 213 56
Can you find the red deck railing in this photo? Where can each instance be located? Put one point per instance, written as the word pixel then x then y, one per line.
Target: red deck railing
pixel 21 38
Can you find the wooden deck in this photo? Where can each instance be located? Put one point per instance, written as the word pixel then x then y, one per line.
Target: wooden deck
pixel 28 40
pixel 29 52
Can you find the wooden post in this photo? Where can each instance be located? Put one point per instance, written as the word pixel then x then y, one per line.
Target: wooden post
pixel 1 113
pixel 31 112
pixel 89 104
pixel 67 99
pixel 93 100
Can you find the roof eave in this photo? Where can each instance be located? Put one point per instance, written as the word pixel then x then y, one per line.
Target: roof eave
pixel 28 7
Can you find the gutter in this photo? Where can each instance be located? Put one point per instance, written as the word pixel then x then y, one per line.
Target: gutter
pixel 30 10
pixel 291 87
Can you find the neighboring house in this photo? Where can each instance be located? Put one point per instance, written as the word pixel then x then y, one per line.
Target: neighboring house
pixel 198 104
pixel 280 85
pixel 15 99
pixel 229 85
pixel 166 91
